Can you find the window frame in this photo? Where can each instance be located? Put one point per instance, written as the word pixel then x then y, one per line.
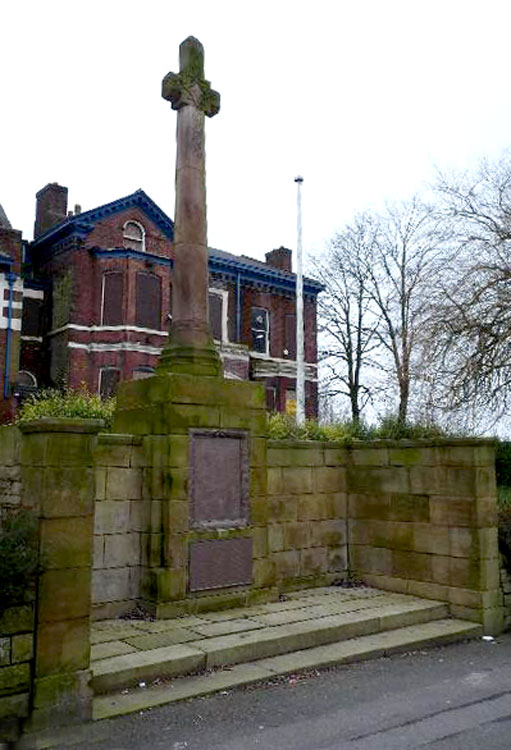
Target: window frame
pixel 224 296
pixel 141 239
pixel 266 329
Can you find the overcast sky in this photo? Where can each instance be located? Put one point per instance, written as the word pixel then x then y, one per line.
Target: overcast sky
pixel 364 98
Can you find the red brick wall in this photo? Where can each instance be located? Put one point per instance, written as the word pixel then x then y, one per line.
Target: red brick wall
pixel 108 233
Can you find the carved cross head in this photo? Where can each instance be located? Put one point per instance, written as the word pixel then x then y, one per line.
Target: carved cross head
pixel 189 87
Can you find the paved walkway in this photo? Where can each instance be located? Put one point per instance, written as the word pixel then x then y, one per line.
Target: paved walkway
pixel 112 638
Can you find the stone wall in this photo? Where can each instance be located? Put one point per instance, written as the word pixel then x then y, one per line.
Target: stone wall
pixel 121 524
pixel 423 520
pixel 16 654
pixel 300 528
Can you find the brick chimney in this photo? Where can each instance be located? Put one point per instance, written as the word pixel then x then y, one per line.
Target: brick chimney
pixel 51 207
pixel 279 258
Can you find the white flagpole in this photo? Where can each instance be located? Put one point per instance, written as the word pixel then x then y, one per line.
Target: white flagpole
pixel 300 363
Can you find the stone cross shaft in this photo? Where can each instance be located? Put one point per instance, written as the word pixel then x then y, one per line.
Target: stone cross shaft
pixel 191 348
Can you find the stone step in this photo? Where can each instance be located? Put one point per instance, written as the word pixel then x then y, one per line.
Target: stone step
pixel 432 633
pixel 127 670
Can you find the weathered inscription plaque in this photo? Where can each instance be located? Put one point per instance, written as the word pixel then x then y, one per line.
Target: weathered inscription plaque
pixel 220 563
pixel 219 478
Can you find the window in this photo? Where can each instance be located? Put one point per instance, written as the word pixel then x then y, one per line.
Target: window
pixel 259 324
pixel 290 337
pixel 216 315
pixel 271 398
pixel 134 236
pixel 108 380
pixel 291 402
pixel 148 305
pixel 31 324
pixel 112 298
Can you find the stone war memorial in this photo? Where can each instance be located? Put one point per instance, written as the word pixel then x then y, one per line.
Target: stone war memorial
pixel 185 508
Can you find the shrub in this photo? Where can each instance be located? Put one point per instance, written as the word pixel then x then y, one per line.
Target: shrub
pixel 68 403
pixel 283 426
pixel 18 554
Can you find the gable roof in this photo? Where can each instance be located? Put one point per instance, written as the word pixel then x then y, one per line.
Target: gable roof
pixel 82 224
pixel 4 221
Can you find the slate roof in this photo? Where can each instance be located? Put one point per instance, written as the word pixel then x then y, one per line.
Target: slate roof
pixel 4 221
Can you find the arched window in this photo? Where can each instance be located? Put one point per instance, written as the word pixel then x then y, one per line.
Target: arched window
pixel 134 236
pixel 148 301
pixel 26 379
pixel 140 373
pixel 109 378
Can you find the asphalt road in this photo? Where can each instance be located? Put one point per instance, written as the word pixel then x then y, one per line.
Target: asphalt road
pixel 451 698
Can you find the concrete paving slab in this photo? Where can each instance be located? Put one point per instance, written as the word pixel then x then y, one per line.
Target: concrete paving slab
pixel 108 706
pixel 120 671
pixel 356 649
pixel 158 626
pixel 102 636
pixel 110 648
pixel 170 637
pixel 225 627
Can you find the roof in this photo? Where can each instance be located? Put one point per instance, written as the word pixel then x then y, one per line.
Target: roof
pixel 247 270
pixel 4 221
pixel 82 224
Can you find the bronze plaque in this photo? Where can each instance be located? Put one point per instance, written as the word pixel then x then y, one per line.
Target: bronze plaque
pixel 219 487
pixel 220 563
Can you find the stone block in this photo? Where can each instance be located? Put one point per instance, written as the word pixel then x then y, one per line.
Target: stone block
pixel 14 679
pixel 123 484
pixel 175 484
pixel 313 561
pixel 276 537
pixel 296 535
pixel 457 481
pixel 110 584
pixel 178 418
pixel 140 515
pixel 253 420
pixel 358 532
pixel 412 456
pixel 134 582
pixel 33 450
pixel 68 450
pixel 453 511
pixel 424 480
pixel 482 575
pixel 441 568
pixel 486 485
pixel 414 565
pixel 329 533
pixel 61 699
pixel 386 582
pixel 22 647
pixel 369 456
pixel 171 583
pixel 287 564
pixel 67 492
pixel 10 444
pixel 73 600
pixel 282 508
pixel 409 507
pixel 395 535
pixel 100 477
pixel 337 559
pixel 337 503
pixel 373 560
pixel 335 456
pixel 16 620
pixel 176 515
pixel 5 651
pixel 259 542
pixel 98 554
pixel 258 451
pixel 263 572
pixel 179 451
pixel 258 480
pixel 112 517
pixel 14 706
pixel 369 506
pixel 122 550
pixel 377 480
pixel 297 479
pixel 475 599
pixel 484 455
pixel 312 507
pixel 429 538
pixel 457 455
pixel 176 551
pixel 66 542
pixel 473 542
pixel 63 647
pixel 112 454
pixel 329 479
pixel 310 455
pixel 427 590
pixel 260 510
pixel 275 483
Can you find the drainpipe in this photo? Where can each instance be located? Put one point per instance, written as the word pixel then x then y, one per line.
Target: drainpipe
pixel 11 278
pixel 238 307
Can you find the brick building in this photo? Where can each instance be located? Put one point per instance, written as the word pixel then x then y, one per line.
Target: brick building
pixel 91 297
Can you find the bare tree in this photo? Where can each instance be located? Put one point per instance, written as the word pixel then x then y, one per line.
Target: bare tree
pixel 470 330
pixel 348 320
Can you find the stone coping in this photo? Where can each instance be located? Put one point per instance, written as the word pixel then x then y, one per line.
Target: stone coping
pixel 119 438
pixel 384 443
pixel 64 424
